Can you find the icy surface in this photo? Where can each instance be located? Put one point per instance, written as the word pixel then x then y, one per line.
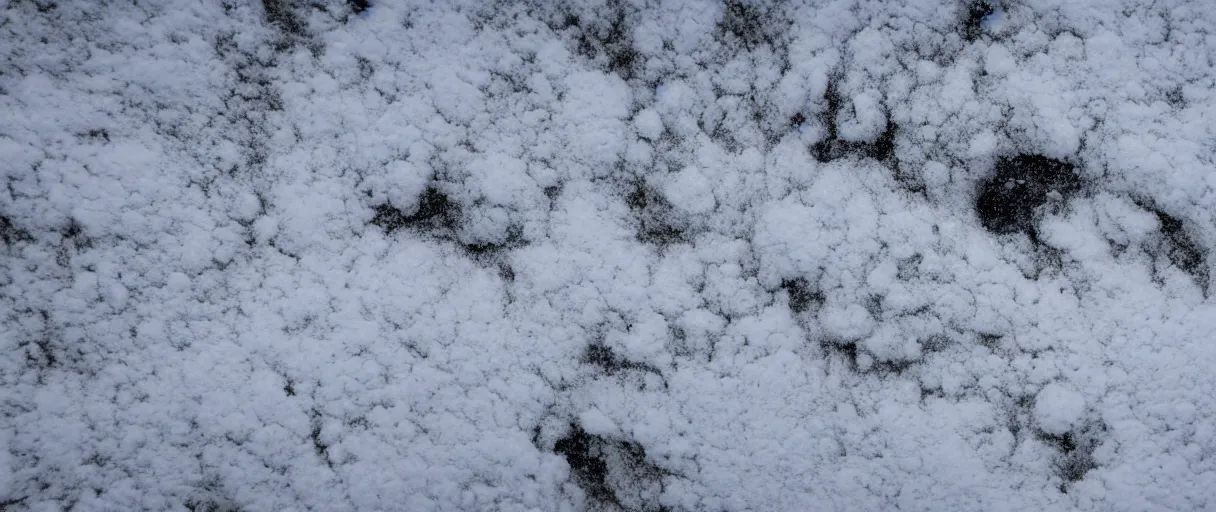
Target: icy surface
pixel 607 255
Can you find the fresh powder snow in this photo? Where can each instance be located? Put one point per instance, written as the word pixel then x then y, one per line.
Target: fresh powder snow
pixel 607 255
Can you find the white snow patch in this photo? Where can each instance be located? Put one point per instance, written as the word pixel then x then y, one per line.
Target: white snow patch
pixel 1058 409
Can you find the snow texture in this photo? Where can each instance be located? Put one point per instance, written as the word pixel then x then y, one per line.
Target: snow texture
pixel 607 255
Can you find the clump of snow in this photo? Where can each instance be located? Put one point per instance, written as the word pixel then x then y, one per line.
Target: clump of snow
pixel 1058 409
pixel 691 191
pixel 648 124
pixel 848 322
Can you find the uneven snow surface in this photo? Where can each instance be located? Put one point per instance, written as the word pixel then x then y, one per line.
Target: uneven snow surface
pixel 607 255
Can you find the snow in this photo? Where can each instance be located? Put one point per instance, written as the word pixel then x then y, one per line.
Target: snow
pixel 648 124
pixel 691 191
pixel 594 256
pixel 1058 409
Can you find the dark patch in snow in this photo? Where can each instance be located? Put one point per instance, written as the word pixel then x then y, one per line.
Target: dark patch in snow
pixel 747 25
pixel 569 20
pixel 4 505
pixel 281 14
pixel 610 45
pixel 935 343
pixel 490 250
pixel 248 102
pixel 847 351
pixel 74 232
pixel 506 272
pixel 435 213
pixel 581 451
pixel 438 216
pixel 833 147
pixel 850 352
pixel 973 23
pixel 358 6
pixel 1009 200
pixel 1076 453
pixel 73 240
pixel 992 341
pixel 12 234
pixel 657 219
pixel 1180 248
pixel 321 447
pixel 602 357
pixel 908 268
pixel 802 295
pixel 210 505
pixel 613 473
pixel 1175 98
pixel 366 68
pixel 97 134
pixel 873 305
pixel 40 354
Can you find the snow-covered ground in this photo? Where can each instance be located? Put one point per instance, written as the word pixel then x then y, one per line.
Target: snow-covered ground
pixel 607 255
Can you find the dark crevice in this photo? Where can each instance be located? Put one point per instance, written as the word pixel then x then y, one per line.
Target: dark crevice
pixel 1179 248
pixel 506 272
pixel 581 451
pixel 908 269
pixel 603 357
pixel 97 134
pixel 657 219
pixel 613 473
pixel 40 354
pixel 847 351
pixel 975 12
pixel 438 216
pixel 246 102
pixel 359 6
pixel 281 13
pixel 74 232
pixel 891 367
pixel 4 505
pixel 610 45
pixel 1075 453
pixel 366 68
pixel 747 26
pixel 435 214
pixel 873 305
pixel 1009 201
pixel 1175 97
pixel 12 234
pixel 802 295
pixel 319 446
pixel 489 250
pixel 850 352
pixel 935 343
pixel 832 147
pixel 208 506
pixel 662 234
pixel 992 341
